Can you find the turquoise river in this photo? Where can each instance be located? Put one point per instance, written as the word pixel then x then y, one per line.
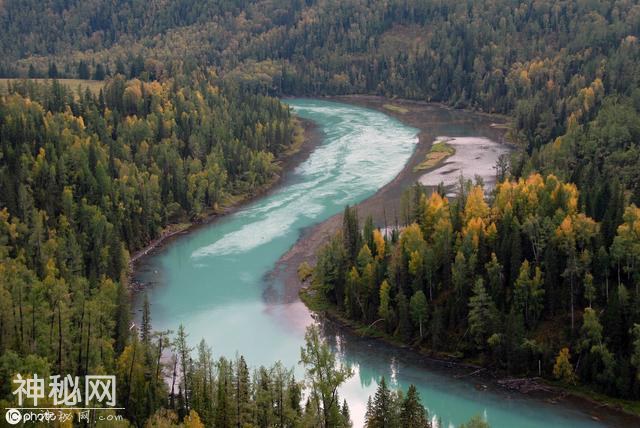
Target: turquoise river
pixel 215 279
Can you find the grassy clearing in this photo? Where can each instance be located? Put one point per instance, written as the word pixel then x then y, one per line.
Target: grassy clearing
pixel 438 153
pixel 93 85
pixel 395 108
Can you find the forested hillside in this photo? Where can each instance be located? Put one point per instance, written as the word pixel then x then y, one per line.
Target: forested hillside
pixel 551 64
pixel 545 270
pixel 88 179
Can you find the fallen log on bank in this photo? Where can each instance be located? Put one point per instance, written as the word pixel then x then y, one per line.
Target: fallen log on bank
pixel 525 385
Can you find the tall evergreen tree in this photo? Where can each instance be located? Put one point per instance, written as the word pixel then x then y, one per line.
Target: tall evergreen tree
pixel 413 413
pixel 53 71
pixel 481 314
pixel 381 415
pixel 183 351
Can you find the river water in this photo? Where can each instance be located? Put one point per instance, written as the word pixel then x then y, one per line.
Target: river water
pixel 215 280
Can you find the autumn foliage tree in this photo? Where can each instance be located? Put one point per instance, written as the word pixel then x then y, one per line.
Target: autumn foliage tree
pixel 510 279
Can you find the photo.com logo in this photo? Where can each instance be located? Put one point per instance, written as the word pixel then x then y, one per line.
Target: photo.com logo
pixel 64 417
pixel 70 398
pixel 13 416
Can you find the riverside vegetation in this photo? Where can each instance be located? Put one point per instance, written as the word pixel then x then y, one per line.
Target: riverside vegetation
pixel 522 281
pixel 74 165
pixel 187 120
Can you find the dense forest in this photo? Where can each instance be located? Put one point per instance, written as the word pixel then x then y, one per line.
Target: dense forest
pixel 552 65
pixel 542 274
pixel 75 167
pixel 523 281
pixel 87 179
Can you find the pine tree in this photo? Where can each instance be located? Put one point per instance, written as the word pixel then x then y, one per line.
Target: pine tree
pixel 202 389
pixel 413 413
pixel 381 414
pixel 145 327
pixel 183 350
pixel 350 232
pixel 83 71
pixel 294 395
pixel 369 412
pixel 346 416
pixel 404 318
pixel 515 251
pixel 496 277
pixel 53 71
pixel 123 317
pixel 241 393
pixel 120 68
pixel 282 412
pixel 635 353
pixel 263 398
pixel 224 409
pixel 367 232
pixel 481 310
pixel 99 73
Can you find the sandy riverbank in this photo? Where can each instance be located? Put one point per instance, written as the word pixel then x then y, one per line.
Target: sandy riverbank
pixel 312 136
pixel 431 121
